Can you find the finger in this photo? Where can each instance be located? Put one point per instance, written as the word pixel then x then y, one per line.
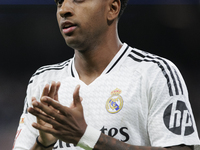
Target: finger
pixel 76 97
pixel 52 89
pixel 58 112
pixel 56 106
pixel 35 105
pixel 47 116
pixel 45 90
pixel 56 93
pixel 33 101
pixel 72 104
pixel 44 107
pixel 45 128
pixel 36 112
pixel 43 117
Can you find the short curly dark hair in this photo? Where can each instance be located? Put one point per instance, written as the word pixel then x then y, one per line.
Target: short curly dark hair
pixel 123 6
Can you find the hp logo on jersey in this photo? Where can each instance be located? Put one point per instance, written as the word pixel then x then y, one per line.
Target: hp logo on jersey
pixel 115 102
pixel 177 119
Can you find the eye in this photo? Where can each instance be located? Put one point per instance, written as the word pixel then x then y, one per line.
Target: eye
pixel 59 2
pixel 78 1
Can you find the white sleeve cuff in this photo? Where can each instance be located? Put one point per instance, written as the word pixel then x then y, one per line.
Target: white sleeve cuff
pixel 89 138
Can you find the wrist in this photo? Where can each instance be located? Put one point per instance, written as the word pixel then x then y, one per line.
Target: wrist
pixel 89 138
pixel 43 145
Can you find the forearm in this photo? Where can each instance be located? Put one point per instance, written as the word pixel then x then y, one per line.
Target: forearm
pixel 109 143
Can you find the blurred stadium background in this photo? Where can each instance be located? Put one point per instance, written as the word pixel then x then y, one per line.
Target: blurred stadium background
pixel 30 38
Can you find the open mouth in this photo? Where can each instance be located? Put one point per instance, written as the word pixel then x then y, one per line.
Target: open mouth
pixel 68 27
pixel 67 24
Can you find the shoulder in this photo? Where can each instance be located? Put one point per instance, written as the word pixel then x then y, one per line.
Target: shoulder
pixel 49 71
pixel 156 71
pixel 151 63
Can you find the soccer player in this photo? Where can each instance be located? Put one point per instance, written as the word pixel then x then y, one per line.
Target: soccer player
pixel 109 96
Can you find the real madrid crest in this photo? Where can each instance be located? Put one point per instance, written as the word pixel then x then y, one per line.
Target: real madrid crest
pixel 115 102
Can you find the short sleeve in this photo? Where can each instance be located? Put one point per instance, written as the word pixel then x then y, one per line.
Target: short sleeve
pixel 170 120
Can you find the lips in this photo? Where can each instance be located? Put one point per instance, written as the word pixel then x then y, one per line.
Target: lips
pixel 68 27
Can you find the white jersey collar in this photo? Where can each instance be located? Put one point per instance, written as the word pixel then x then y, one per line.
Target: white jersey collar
pixel 114 64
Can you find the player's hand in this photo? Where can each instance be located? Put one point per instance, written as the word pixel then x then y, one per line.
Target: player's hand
pixel 68 123
pixel 52 92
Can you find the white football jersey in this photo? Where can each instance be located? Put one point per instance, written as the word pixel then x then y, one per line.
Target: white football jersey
pixel 139 98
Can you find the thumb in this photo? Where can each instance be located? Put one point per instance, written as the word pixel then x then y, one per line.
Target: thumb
pixel 76 98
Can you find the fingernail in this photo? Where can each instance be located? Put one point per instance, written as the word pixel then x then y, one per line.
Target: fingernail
pixel 35 103
pixel 34 124
pixel 44 98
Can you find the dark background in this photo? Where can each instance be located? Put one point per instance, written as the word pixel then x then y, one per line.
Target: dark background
pixel 30 38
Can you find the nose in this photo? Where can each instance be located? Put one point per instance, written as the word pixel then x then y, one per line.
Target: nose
pixel 66 9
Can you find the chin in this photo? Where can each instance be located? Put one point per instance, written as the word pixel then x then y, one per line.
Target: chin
pixel 74 44
pixel 77 44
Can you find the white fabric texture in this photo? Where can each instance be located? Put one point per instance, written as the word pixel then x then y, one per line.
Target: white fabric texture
pixel 140 99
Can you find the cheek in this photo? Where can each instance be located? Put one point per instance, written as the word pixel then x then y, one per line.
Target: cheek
pixel 93 14
pixel 94 20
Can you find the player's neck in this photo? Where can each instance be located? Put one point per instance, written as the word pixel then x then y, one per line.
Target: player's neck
pixel 90 64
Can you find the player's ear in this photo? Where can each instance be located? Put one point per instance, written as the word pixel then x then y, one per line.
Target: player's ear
pixel 115 6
